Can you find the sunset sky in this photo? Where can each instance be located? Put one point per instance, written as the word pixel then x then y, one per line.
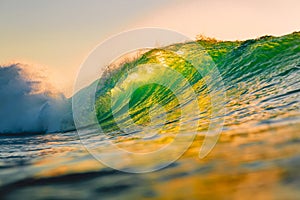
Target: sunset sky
pixel 59 34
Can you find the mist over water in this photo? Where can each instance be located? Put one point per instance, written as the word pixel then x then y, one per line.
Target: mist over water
pixel 29 104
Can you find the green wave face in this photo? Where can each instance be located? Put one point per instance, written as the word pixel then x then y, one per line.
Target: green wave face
pixel 261 79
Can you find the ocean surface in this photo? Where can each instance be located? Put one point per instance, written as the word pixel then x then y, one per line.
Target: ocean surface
pixel 257 153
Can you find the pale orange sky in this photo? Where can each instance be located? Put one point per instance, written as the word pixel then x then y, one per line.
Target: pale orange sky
pixel 59 34
pixel 228 19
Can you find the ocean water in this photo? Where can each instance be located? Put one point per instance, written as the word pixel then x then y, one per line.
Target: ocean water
pixel 257 153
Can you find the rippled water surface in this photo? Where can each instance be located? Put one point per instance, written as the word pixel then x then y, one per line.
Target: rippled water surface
pixel 257 154
pixel 264 162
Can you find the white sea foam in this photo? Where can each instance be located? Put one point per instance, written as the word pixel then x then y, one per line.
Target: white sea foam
pixel 29 104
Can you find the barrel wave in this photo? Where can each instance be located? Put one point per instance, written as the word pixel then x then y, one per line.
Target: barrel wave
pixel 261 78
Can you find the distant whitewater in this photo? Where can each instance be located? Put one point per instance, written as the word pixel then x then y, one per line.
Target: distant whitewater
pixel 27 105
